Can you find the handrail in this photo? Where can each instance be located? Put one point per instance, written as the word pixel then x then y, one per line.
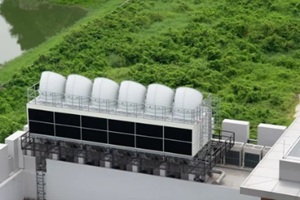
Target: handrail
pixel 91 104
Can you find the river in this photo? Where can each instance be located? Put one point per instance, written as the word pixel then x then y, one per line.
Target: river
pixel 25 24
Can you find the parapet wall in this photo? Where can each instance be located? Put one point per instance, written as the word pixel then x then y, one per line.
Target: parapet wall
pixel 17 172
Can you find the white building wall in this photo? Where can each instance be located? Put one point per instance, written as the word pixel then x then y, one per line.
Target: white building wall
pixel 20 183
pixel 14 150
pixel 4 160
pixel 74 181
pixel 289 170
pixel 29 177
pixel 17 172
pixel 12 187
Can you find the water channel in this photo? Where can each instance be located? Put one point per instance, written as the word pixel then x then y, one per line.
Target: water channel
pixel 25 24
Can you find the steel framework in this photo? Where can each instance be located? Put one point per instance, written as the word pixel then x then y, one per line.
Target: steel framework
pixel 161 113
pixel 131 159
pixel 52 148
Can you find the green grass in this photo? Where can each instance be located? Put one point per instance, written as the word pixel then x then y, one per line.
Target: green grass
pixel 245 52
pixel 95 9
pixel 12 108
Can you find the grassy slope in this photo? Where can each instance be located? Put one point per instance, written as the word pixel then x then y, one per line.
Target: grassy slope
pixel 12 98
pixel 246 53
pixel 95 10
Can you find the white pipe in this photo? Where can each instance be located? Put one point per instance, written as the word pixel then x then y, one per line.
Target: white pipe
pixel 220 178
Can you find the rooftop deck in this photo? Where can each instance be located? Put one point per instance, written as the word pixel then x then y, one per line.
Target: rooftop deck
pixel 234 176
pixel 265 180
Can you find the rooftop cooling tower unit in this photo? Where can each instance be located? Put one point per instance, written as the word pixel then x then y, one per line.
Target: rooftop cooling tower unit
pixel 159 100
pixel 51 87
pixel 83 116
pixel 104 93
pixel 186 103
pixel 78 90
pixel 131 96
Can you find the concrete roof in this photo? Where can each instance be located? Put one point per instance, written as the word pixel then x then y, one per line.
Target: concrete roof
pixel 264 180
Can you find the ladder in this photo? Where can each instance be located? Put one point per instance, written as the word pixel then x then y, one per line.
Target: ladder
pixel 40 181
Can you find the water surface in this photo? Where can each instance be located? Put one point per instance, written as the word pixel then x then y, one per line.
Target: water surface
pixel 27 23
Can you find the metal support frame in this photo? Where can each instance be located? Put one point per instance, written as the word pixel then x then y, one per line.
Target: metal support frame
pixel 212 150
pixel 130 109
pixel 200 165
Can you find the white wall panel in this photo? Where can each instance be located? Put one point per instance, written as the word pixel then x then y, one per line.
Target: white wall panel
pixel 240 128
pixel 4 164
pixel 20 184
pixel 29 177
pixel 268 134
pixel 12 187
pixel 14 149
pixel 77 182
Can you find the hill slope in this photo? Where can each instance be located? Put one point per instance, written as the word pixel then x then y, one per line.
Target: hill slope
pixel 245 52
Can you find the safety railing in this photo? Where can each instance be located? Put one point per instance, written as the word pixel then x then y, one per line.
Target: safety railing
pixel 131 109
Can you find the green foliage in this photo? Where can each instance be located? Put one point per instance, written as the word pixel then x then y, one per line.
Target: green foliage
pixel 246 52
pixel 76 2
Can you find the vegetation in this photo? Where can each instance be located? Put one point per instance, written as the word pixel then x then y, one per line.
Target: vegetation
pixel 245 52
